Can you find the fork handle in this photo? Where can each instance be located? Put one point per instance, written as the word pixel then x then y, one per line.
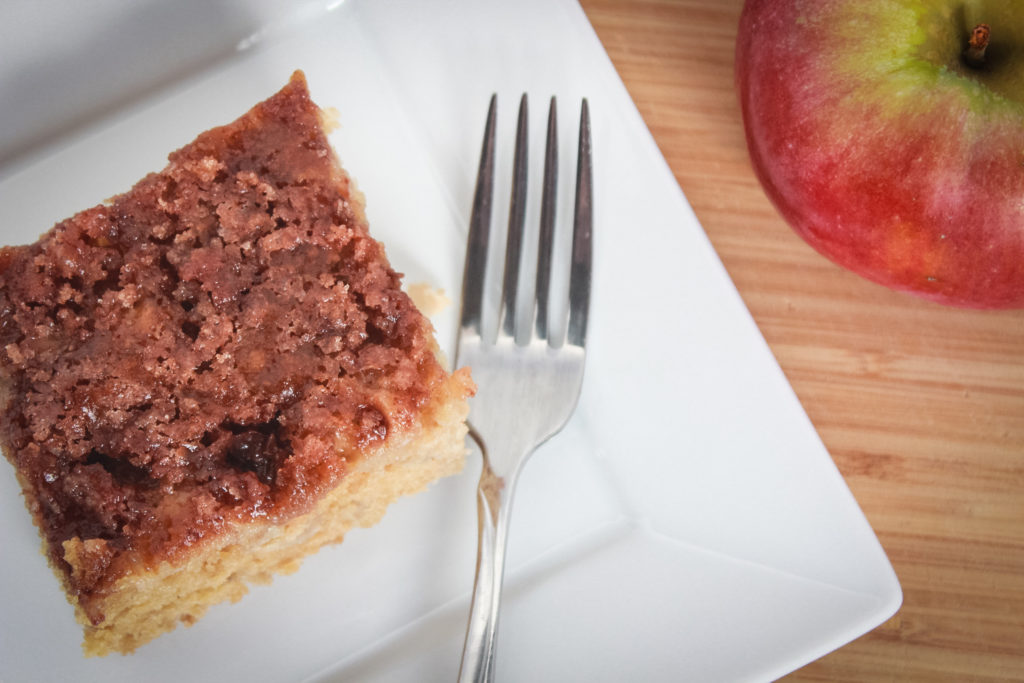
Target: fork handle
pixel 494 498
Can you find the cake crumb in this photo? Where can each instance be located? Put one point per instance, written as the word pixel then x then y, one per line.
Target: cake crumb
pixel 430 300
pixel 330 119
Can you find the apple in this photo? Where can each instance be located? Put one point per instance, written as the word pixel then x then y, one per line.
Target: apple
pixel 890 135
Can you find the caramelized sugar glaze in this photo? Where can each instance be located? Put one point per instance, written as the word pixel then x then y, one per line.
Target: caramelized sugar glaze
pixel 215 345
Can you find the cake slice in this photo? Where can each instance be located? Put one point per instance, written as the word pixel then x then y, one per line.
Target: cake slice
pixel 213 375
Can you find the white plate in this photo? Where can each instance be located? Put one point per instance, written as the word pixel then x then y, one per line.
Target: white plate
pixel 687 525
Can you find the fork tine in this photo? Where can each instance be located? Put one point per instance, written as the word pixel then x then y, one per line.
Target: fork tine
pixel 579 273
pixel 516 221
pixel 479 231
pixel 547 225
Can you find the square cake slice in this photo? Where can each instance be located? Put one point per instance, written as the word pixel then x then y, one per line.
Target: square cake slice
pixel 213 375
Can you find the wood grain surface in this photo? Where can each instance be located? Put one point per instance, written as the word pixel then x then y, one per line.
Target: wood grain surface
pixel 921 406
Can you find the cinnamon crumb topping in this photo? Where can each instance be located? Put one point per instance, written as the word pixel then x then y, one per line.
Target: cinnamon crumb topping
pixel 216 344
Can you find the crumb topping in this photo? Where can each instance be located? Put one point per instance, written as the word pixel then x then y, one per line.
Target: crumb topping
pixel 216 344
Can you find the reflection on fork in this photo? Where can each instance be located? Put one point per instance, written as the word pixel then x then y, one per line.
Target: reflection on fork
pixel 528 366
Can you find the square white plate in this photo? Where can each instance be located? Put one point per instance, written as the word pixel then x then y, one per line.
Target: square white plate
pixel 687 525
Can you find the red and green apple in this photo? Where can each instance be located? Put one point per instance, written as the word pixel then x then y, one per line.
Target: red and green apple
pixel 890 135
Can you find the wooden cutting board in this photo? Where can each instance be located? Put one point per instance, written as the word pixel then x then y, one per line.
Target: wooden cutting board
pixel 921 406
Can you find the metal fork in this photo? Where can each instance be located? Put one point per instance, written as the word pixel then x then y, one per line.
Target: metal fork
pixel 529 370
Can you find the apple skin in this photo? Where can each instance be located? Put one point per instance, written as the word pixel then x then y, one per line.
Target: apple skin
pixel 883 149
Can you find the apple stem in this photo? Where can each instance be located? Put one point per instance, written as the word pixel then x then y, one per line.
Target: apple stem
pixel 976 46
